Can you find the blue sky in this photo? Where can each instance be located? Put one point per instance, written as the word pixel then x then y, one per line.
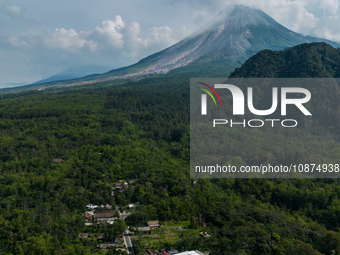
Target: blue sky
pixel 40 38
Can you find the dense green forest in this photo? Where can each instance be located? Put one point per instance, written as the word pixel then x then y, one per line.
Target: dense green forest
pixel 307 60
pixel 140 130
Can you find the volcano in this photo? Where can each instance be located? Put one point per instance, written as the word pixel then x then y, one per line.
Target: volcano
pixel 237 33
pixel 234 35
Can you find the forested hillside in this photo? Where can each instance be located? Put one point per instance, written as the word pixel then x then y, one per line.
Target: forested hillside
pixel 302 61
pixel 140 130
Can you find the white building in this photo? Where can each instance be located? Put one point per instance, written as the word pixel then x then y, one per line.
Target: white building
pixel 196 252
pixel 91 206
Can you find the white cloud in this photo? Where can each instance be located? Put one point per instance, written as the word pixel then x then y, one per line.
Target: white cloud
pixel 329 7
pixel 93 45
pixel 110 36
pixel 160 36
pixel 113 37
pixel 311 17
pixel 199 15
pixel 16 42
pixel 112 42
pixel 65 39
pixel 132 43
pixel 293 14
pixel 326 33
pixel 110 31
pixel 14 11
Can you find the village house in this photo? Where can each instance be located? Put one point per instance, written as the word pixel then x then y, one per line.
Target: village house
pixel 104 215
pixel 161 252
pixel 123 186
pixel 101 237
pixel 143 230
pixel 119 186
pixel 57 160
pixel 195 252
pixel 153 224
pixel 91 206
pixel 88 216
pixel 84 235
pixel 151 252
pixel 117 240
pixel 109 222
pixel 106 246
pixel 154 252
pixel 205 234
pixel 172 252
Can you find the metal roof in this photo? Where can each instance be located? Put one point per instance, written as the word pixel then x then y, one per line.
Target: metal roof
pixel 190 253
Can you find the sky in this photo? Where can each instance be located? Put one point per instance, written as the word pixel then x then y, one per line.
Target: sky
pixel 40 38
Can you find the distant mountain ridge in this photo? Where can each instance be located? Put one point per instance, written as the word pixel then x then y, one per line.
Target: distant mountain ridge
pixel 74 73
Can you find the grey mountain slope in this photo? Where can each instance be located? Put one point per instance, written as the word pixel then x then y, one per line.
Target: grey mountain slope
pixel 74 73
